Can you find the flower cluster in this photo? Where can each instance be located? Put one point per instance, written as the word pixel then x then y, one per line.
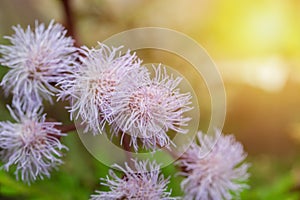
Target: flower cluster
pixel 143 182
pixel 37 60
pixel 213 168
pixel 107 87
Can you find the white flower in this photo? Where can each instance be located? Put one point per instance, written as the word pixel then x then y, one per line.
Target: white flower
pixel 149 110
pixel 31 144
pixel 96 80
pixel 143 182
pixel 37 59
pixel 214 169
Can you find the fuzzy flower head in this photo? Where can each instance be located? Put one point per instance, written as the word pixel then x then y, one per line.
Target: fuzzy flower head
pixel 214 168
pixel 143 182
pixel 96 80
pixel 31 144
pixel 148 111
pixel 36 58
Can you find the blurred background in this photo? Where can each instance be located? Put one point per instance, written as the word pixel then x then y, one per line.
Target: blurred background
pixel 256 47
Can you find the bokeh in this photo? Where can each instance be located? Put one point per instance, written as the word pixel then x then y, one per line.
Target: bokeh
pixel 255 45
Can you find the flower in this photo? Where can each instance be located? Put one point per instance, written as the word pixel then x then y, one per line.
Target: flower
pixel 96 80
pixel 143 182
pixel 149 110
pixel 214 169
pixel 31 144
pixel 37 58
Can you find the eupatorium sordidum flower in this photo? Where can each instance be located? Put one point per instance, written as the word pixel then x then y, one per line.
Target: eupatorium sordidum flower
pixel 149 110
pixel 213 169
pixel 93 84
pixel 143 182
pixel 31 144
pixel 37 58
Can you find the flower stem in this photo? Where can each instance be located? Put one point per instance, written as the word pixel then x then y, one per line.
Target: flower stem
pixel 69 20
pixel 172 153
pixel 66 128
pixel 126 146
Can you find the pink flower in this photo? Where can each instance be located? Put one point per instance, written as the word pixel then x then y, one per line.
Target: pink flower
pixel 92 86
pixel 213 169
pixel 31 144
pixel 143 182
pixel 37 60
pixel 148 110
